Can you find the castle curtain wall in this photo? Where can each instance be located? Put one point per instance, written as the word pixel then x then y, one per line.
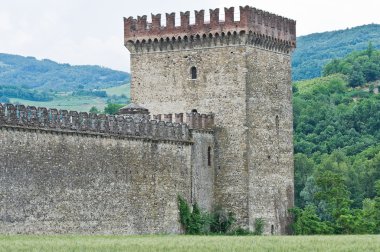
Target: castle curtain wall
pixel 54 182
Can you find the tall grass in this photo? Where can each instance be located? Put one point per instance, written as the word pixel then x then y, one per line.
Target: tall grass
pixel 185 243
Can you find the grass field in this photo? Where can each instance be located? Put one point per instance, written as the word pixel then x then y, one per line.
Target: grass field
pixel 119 90
pixel 171 243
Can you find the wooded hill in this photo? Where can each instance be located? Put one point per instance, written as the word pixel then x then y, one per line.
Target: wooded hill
pixel 315 50
pixel 47 76
pixel 337 147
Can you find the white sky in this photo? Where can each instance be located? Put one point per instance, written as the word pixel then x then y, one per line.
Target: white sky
pixel 91 31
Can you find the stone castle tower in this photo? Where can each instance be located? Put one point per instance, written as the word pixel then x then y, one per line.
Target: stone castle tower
pixel 77 172
pixel 241 72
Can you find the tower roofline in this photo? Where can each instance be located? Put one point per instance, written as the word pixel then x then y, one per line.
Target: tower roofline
pixel 251 20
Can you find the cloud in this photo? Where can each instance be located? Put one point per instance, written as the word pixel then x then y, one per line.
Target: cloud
pixel 5 22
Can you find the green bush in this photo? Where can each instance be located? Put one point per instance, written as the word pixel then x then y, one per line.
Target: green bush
pixel 221 220
pixel 259 226
pixel 112 109
pixel 307 222
pixel 240 232
pixel 196 221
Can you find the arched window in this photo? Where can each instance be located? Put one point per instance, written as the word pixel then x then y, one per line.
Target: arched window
pixel 193 72
pixel 209 156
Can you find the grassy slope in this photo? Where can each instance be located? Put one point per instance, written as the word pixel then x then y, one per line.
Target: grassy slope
pixel 119 90
pixel 74 103
pixel 168 243
pixel 77 103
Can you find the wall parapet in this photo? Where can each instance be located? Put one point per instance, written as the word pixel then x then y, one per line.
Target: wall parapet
pixel 258 27
pixel 82 122
pixel 194 120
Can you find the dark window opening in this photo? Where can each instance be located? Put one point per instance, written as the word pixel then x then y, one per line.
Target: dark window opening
pixel 193 73
pixel 209 156
pixel 277 124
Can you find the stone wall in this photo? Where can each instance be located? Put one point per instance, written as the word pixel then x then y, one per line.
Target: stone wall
pixel 203 168
pixel 69 172
pixel 245 81
pixel 270 146
pixel 57 182
pixel 219 88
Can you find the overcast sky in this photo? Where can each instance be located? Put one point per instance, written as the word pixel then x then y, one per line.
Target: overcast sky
pixel 91 31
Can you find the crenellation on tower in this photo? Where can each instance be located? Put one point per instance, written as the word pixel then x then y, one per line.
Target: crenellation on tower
pixel 199 18
pixel 185 21
pixel 156 22
pixel 214 19
pixel 170 20
pixel 253 23
pixel 229 16
pixel 142 23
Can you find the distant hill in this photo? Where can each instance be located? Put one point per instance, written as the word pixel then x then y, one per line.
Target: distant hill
pixel 46 75
pixel 315 50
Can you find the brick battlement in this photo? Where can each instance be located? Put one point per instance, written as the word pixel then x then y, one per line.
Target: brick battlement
pixel 262 28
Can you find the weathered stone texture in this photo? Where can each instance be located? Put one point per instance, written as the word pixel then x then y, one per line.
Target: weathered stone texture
pixel 246 83
pixel 219 88
pixel 203 169
pixel 65 183
pixel 270 147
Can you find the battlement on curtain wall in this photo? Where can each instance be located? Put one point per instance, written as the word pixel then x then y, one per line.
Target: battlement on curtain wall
pixel 255 27
pixel 162 127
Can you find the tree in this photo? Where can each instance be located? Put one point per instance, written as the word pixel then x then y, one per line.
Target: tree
pixel 94 110
pixel 4 99
pixel 370 49
pixel 377 207
pixel 334 193
pixel 356 77
pixel 307 222
pixel 303 169
pixel 112 108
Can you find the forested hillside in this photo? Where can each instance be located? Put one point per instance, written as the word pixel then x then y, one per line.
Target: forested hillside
pixel 315 50
pixel 337 147
pixel 46 75
pixel 45 83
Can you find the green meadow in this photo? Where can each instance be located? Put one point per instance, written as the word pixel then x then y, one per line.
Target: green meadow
pixel 74 103
pixel 186 243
